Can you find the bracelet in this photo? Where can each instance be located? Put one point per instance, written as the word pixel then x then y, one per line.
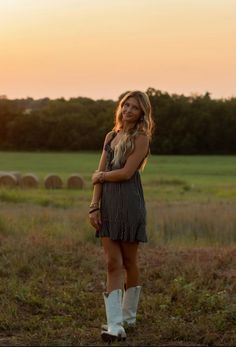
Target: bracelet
pixel 94 204
pixel 102 177
pixel 95 209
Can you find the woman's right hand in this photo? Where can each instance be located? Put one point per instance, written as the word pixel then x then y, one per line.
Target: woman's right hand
pixel 95 219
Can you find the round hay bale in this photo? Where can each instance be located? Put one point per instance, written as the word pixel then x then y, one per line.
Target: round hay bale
pixel 8 180
pixel 17 175
pixel 53 182
pixel 29 181
pixel 75 181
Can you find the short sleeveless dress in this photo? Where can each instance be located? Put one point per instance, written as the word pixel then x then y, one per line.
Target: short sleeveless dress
pixel 123 210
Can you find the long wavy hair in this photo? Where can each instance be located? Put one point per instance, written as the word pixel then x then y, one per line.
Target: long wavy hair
pixel 144 125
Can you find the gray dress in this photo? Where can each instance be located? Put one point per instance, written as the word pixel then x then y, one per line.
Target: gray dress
pixel 123 210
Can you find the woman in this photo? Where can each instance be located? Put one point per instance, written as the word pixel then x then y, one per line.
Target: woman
pixel 117 210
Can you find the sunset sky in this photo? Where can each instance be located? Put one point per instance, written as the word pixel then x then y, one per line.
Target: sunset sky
pixel 102 48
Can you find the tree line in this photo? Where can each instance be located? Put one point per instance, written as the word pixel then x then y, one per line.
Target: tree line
pixel 195 124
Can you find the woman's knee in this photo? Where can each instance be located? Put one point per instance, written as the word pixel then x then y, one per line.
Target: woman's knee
pixel 114 265
pixel 130 264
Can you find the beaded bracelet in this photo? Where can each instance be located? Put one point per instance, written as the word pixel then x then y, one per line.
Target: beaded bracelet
pixel 94 204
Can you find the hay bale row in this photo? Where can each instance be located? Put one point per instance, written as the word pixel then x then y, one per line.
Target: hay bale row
pixel 51 181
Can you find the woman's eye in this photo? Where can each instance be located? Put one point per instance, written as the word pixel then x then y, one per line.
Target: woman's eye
pixel 126 105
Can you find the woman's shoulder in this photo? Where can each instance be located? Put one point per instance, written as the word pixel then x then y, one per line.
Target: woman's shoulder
pixel 142 142
pixel 142 137
pixel 109 135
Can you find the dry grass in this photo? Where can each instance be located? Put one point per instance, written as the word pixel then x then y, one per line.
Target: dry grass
pixel 197 224
pixel 52 276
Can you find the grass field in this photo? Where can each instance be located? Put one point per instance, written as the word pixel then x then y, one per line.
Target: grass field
pixel 209 175
pixel 52 271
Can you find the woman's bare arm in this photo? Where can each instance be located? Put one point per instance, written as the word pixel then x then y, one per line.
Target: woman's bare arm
pixel 97 189
pixel 95 214
pixel 131 165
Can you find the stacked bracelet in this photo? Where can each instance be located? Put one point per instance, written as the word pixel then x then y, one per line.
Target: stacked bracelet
pixel 94 206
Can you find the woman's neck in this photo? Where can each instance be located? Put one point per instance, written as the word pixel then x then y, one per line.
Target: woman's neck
pixel 127 126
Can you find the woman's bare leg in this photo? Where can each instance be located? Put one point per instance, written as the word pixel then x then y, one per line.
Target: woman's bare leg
pixel 113 255
pixel 129 253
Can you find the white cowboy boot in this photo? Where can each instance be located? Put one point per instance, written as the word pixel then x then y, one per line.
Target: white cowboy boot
pixel 130 305
pixel 115 330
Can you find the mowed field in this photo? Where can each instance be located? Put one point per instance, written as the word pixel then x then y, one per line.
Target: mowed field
pixel 52 270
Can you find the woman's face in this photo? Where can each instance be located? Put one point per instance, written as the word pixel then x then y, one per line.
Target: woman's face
pixel 131 110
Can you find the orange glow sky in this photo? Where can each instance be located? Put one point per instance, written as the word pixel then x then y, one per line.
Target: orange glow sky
pixel 102 48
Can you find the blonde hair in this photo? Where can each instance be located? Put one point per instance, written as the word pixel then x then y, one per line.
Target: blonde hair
pixel 144 125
